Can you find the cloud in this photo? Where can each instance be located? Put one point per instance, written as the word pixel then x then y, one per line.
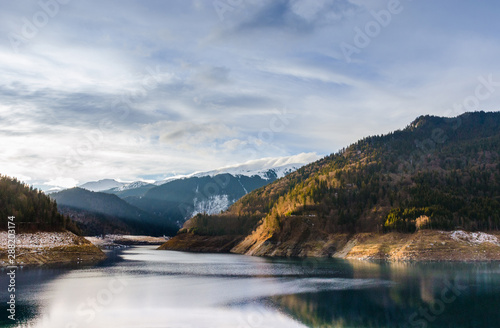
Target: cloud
pixel 184 134
pixel 295 16
pixel 62 182
pixel 214 75
pixel 144 90
pixel 234 144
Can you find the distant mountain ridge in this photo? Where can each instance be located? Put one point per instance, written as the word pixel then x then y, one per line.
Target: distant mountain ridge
pixel 101 185
pixel 132 185
pixel 171 201
pixel 180 199
pixel 92 209
pixel 133 189
pixel 260 167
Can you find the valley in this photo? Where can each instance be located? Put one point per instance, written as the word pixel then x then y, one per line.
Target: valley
pixel 161 208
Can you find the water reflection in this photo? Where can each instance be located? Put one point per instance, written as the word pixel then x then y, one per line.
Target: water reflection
pixel 423 295
pixel 141 287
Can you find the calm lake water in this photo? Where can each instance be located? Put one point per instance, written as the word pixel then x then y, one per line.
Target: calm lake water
pixel 142 287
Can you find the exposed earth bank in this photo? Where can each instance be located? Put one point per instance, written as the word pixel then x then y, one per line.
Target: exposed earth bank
pixel 188 242
pixel 112 240
pixel 424 245
pixel 43 248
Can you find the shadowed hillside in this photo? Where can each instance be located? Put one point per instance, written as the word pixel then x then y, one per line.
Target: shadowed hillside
pixel 101 213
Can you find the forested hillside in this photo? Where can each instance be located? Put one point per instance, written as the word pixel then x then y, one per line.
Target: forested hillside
pixel 33 210
pixel 437 173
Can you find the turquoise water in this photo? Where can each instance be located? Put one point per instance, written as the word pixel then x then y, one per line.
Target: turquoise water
pixel 142 287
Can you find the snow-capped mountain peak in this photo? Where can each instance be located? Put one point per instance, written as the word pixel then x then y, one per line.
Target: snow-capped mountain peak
pixel 132 185
pixel 101 185
pixel 260 167
pixel 281 171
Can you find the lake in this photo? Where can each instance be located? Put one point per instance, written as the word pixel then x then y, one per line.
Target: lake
pixel 143 287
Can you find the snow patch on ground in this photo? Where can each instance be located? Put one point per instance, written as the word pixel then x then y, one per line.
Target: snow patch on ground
pixel 474 237
pixel 213 205
pixel 41 239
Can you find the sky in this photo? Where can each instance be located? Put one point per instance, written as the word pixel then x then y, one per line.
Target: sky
pixel 135 90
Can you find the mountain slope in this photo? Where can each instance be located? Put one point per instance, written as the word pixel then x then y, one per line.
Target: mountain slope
pixel 179 200
pixel 42 235
pixel 34 211
pixel 113 214
pixel 134 189
pixel 437 173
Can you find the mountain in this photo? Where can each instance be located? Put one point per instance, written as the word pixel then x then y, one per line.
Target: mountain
pixel 134 189
pixel 32 209
pixel 180 199
pixel 102 185
pixel 436 174
pixel 116 207
pixel 276 166
pixel 100 213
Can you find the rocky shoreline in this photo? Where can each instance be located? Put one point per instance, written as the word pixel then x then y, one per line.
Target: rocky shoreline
pixel 44 248
pixel 424 245
pixel 116 241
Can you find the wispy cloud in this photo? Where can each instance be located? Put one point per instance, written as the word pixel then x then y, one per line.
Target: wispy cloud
pixel 141 89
